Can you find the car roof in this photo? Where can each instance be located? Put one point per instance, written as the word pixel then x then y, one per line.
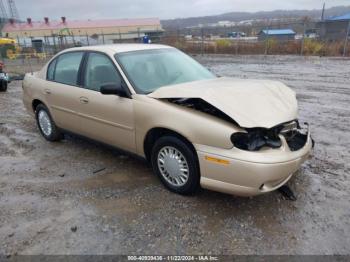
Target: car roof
pixel 119 48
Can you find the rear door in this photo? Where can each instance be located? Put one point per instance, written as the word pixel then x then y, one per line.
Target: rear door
pixel 107 118
pixel 62 90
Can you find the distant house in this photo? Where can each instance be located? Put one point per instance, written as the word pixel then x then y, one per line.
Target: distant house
pixel 236 34
pixel 278 34
pixel 311 33
pixel 334 28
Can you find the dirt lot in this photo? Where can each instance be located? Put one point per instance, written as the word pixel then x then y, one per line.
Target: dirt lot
pixel 117 205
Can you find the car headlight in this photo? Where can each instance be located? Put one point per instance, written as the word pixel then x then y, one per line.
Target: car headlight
pixel 256 138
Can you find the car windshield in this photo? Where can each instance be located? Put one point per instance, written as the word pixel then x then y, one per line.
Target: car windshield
pixel 148 70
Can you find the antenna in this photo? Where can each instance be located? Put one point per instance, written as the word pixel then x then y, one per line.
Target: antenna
pixel 322 16
pixel 13 9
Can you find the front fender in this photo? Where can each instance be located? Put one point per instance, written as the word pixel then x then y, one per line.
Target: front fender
pixel 197 127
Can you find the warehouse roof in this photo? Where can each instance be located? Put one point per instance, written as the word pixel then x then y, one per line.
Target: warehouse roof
pixel 278 32
pixel 341 17
pixel 54 25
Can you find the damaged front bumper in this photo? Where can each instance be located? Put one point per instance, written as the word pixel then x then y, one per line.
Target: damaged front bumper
pixel 249 173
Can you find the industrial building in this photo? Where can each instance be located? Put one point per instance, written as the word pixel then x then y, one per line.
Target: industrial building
pixel 278 34
pixel 334 28
pixel 84 32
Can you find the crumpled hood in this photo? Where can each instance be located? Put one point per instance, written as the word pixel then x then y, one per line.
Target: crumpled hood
pixel 251 103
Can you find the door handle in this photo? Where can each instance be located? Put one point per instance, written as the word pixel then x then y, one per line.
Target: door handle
pixel 47 91
pixel 84 100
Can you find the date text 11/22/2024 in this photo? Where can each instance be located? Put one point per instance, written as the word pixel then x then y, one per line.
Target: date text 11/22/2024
pixel 173 258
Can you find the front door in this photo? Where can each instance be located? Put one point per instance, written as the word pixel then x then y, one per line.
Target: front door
pixel 107 118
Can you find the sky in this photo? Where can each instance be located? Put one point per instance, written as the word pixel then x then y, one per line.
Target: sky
pixel 163 9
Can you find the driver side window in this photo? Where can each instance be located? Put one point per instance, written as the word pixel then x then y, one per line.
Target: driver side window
pixel 100 71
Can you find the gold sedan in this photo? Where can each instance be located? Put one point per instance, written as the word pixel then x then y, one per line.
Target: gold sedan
pixel 237 136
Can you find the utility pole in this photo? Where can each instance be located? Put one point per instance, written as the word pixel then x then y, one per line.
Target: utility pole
pixel 103 37
pixel 87 39
pixel 177 34
pixel 54 42
pixel 346 39
pixel 73 38
pixel 202 41
pixel 324 6
pixel 267 38
pixel 303 39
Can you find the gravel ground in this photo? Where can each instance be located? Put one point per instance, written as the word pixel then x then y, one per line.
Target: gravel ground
pixel 79 197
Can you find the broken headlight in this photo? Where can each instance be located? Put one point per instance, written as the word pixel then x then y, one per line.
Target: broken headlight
pixel 296 137
pixel 256 138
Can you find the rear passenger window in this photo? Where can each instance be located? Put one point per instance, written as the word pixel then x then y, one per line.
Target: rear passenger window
pixel 51 70
pixel 67 68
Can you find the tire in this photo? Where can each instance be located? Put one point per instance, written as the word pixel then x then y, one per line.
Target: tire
pixel 46 125
pixel 3 86
pixel 166 155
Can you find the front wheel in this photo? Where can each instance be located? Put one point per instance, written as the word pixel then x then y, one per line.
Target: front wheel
pixel 46 125
pixel 176 164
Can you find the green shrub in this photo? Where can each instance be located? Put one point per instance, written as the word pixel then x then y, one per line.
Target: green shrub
pixel 222 43
pixel 312 47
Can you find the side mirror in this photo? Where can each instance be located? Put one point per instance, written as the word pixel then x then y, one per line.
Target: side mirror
pixel 114 90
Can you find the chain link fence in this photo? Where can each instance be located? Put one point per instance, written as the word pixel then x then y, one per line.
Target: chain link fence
pixel 31 54
pixel 248 39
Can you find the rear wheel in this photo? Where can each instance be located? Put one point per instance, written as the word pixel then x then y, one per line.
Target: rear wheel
pixel 46 125
pixel 176 164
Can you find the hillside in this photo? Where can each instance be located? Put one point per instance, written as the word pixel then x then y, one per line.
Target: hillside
pixel 314 14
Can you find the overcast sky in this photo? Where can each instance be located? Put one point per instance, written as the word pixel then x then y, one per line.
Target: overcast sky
pixel 164 9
